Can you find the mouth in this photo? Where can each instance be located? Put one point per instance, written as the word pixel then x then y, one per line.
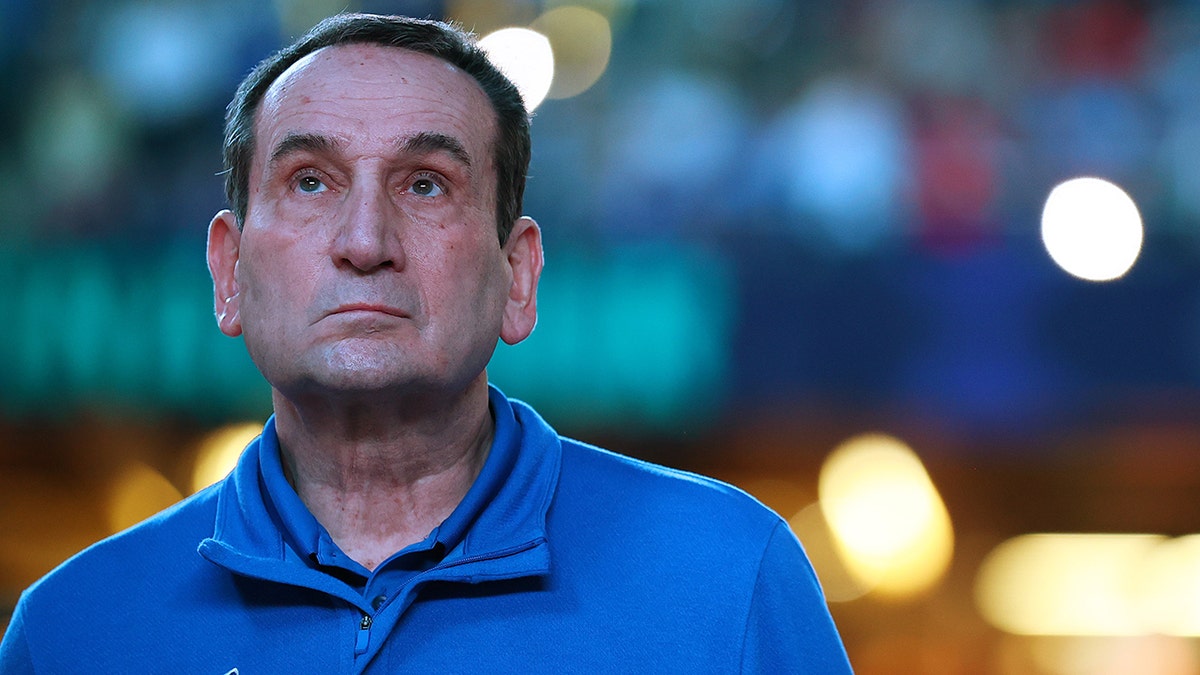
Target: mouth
pixel 357 307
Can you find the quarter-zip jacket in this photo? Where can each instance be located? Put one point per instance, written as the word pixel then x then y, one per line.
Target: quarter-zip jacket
pixel 573 559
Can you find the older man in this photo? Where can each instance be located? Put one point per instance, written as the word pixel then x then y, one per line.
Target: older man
pixel 398 513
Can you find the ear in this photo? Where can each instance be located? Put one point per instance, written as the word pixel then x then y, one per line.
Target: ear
pixel 523 251
pixel 224 246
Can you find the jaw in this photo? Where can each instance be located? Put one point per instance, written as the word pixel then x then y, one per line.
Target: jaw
pixel 371 412
pixel 373 369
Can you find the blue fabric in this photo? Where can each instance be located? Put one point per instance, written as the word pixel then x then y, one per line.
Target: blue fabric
pixel 562 557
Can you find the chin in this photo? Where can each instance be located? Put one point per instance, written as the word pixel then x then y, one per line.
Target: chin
pixel 366 379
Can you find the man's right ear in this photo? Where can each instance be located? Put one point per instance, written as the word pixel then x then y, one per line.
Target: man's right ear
pixel 224 246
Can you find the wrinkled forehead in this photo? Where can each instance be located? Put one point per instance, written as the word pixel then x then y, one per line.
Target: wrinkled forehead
pixel 357 75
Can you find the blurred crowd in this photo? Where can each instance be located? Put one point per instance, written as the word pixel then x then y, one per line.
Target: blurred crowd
pixel 856 126
pixel 873 172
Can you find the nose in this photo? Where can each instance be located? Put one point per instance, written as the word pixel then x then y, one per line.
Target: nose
pixel 368 237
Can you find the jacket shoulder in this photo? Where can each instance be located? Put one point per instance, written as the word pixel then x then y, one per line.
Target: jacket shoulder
pixel 679 499
pixel 163 541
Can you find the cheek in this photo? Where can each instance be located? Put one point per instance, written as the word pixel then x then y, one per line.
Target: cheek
pixel 470 277
pixel 272 275
pixel 492 290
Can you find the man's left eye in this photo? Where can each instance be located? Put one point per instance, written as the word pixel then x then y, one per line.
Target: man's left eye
pixel 426 188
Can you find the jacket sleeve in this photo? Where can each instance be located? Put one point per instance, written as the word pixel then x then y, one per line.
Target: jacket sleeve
pixel 14 649
pixel 789 628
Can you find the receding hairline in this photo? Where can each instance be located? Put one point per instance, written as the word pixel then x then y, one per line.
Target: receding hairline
pixel 276 86
pixel 450 43
pixel 427 141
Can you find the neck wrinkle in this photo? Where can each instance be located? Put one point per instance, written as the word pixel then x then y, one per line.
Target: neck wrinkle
pixel 378 484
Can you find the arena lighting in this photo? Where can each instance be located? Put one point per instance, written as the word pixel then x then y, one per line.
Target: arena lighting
pixel 1169 585
pixel 218 452
pixel 525 56
pixel 1093 585
pixel 582 42
pixel 1157 654
pixel 137 492
pixel 887 519
pixel 1092 229
pixel 813 531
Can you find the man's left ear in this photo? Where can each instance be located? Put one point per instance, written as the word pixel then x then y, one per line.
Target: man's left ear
pixel 524 254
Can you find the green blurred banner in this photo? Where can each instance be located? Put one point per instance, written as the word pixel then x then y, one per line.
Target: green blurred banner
pixel 636 337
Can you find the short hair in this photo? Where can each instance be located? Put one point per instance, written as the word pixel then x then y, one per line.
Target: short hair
pixel 510 147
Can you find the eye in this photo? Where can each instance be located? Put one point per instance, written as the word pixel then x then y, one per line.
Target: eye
pixel 310 184
pixel 426 187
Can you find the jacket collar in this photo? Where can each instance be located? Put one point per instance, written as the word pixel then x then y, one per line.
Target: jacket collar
pixel 500 526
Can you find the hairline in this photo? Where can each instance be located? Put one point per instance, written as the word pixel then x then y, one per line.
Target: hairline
pixel 428 141
pixel 446 42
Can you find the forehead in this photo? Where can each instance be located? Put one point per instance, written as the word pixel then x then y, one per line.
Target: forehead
pixel 374 92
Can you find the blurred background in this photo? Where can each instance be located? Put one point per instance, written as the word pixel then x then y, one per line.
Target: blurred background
pixel 806 247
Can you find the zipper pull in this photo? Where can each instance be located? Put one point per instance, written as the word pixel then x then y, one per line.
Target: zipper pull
pixel 364 635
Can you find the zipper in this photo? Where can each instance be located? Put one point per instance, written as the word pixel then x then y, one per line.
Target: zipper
pixel 364 635
pixel 363 639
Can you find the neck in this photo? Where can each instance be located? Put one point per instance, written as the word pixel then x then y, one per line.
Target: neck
pixel 379 480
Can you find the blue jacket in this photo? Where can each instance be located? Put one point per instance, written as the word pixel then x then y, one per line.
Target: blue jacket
pixel 562 558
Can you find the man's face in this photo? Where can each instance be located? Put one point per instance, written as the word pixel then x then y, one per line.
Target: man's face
pixel 369 258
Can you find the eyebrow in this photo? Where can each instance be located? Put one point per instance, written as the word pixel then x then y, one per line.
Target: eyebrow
pixel 296 142
pixel 427 142
pixel 421 143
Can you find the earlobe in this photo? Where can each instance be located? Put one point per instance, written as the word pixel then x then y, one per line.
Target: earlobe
pixel 224 247
pixel 524 253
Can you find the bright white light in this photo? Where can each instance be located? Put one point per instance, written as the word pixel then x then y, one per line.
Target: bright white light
pixel 886 517
pixel 1168 587
pixel 525 56
pixel 219 452
pixel 1067 584
pixel 838 583
pixel 1092 229
pixel 1093 585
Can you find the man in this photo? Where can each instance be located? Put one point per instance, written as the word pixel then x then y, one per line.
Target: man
pixel 397 513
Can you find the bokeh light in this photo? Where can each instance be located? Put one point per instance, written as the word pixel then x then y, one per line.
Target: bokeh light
pixel 1092 229
pixel 525 56
pixel 484 16
pixel 839 153
pixel 1157 654
pixel 137 492
pixel 886 516
pixel 582 42
pixel 811 528
pixel 77 134
pixel 1085 584
pixel 1169 587
pixel 297 16
pixel 218 452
